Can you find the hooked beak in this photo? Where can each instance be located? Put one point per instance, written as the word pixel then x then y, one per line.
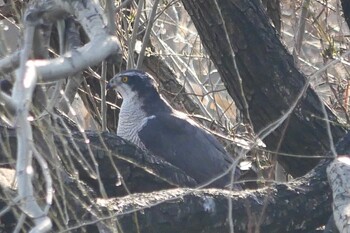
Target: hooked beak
pixel 109 86
pixel 112 84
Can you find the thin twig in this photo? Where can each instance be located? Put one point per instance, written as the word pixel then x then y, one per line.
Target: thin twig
pixel 300 29
pixel 48 180
pixel 147 34
pixel 95 170
pixel 8 102
pixel 245 104
pixel 131 62
pixel 189 72
pixel 274 125
pixel 122 5
pixel 240 80
pixel 20 223
pixel 103 96
pixel 54 99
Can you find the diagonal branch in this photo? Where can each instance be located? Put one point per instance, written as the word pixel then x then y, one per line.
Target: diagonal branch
pixel 270 80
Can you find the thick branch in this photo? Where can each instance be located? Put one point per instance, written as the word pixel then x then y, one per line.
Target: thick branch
pixel 90 16
pixel 182 210
pixel 270 83
pixel 279 206
pixel 273 209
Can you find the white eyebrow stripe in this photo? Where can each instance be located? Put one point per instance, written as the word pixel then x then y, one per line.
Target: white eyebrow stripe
pixel 133 73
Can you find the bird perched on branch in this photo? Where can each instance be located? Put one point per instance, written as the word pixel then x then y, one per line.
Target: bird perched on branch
pixel 147 120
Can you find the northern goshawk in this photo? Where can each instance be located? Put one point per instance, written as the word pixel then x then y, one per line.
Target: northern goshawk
pixel 147 120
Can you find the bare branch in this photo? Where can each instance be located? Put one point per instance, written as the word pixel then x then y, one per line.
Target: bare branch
pixel 338 175
pixel 147 34
pixel 101 45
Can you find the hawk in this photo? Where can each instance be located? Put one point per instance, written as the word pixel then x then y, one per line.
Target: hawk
pixel 147 120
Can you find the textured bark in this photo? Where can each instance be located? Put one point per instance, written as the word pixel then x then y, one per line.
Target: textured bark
pixel 273 9
pixel 184 210
pixel 338 175
pixel 273 209
pixel 270 81
pixel 339 171
pixel 268 210
pixel 346 9
pixel 278 207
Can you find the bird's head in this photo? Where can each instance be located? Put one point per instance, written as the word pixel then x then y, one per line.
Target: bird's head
pixel 133 82
pixel 139 88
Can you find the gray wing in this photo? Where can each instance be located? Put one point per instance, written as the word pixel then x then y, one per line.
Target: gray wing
pixel 182 143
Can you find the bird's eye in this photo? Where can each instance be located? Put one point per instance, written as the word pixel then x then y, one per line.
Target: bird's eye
pixel 125 79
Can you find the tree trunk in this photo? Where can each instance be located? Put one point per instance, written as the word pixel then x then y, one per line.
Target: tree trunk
pixel 346 9
pixel 270 83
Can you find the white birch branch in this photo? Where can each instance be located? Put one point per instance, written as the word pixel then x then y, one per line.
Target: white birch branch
pixel 22 94
pixel 338 175
pixel 91 17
